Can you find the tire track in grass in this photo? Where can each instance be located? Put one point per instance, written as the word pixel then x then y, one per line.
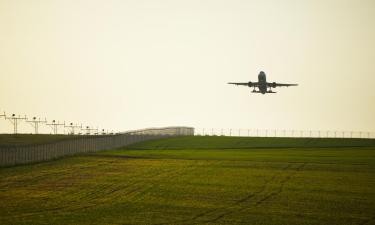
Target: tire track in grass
pixel 104 192
pixel 231 210
pixel 282 184
pixel 234 208
pixel 173 174
pixel 139 187
pixel 114 191
pixel 95 192
pixel 245 199
pixel 367 221
pixel 37 182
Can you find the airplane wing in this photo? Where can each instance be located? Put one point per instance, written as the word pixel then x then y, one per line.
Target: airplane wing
pixel 274 84
pixel 249 84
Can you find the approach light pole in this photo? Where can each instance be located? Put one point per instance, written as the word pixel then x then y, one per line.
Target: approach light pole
pixel 73 127
pixel 3 115
pixel 54 126
pixel 15 120
pixel 96 131
pixel 35 123
pixel 88 130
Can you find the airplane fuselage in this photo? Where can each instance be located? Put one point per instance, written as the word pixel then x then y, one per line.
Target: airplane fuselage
pixel 262 80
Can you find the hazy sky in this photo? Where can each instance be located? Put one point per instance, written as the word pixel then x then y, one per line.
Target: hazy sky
pixel 132 64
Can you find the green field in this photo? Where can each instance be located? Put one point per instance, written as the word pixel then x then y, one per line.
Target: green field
pixel 199 180
pixel 31 139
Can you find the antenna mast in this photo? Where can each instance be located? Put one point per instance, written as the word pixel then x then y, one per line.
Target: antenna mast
pixel 35 123
pixel 15 120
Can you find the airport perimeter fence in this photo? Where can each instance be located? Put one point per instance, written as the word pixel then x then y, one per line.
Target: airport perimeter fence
pixel 282 133
pixel 16 155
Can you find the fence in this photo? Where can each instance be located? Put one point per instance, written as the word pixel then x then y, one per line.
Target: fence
pixel 15 155
pixel 283 133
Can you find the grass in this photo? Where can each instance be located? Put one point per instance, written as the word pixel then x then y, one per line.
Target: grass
pixel 236 184
pixel 33 139
pixel 221 142
pixel 30 139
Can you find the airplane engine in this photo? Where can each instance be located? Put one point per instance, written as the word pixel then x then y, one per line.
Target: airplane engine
pixel 273 84
pixel 250 84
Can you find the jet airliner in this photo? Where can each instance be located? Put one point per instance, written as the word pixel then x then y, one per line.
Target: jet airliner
pixel 263 85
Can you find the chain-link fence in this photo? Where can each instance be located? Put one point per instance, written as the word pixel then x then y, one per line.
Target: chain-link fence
pixel 282 133
pixel 15 155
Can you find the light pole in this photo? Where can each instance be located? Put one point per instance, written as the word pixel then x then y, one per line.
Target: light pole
pixel 88 130
pixel 54 126
pixel 35 123
pixel 73 127
pixel 15 120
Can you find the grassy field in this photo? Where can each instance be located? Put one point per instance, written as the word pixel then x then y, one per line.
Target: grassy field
pixel 221 142
pixel 185 181
pixel 30 139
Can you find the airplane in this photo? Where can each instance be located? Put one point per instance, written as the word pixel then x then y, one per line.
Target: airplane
pixel 262 84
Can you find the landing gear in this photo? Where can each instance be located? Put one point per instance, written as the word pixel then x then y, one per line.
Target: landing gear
pixel 270 91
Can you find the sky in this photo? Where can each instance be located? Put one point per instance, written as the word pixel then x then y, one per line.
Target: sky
pixel 123 65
